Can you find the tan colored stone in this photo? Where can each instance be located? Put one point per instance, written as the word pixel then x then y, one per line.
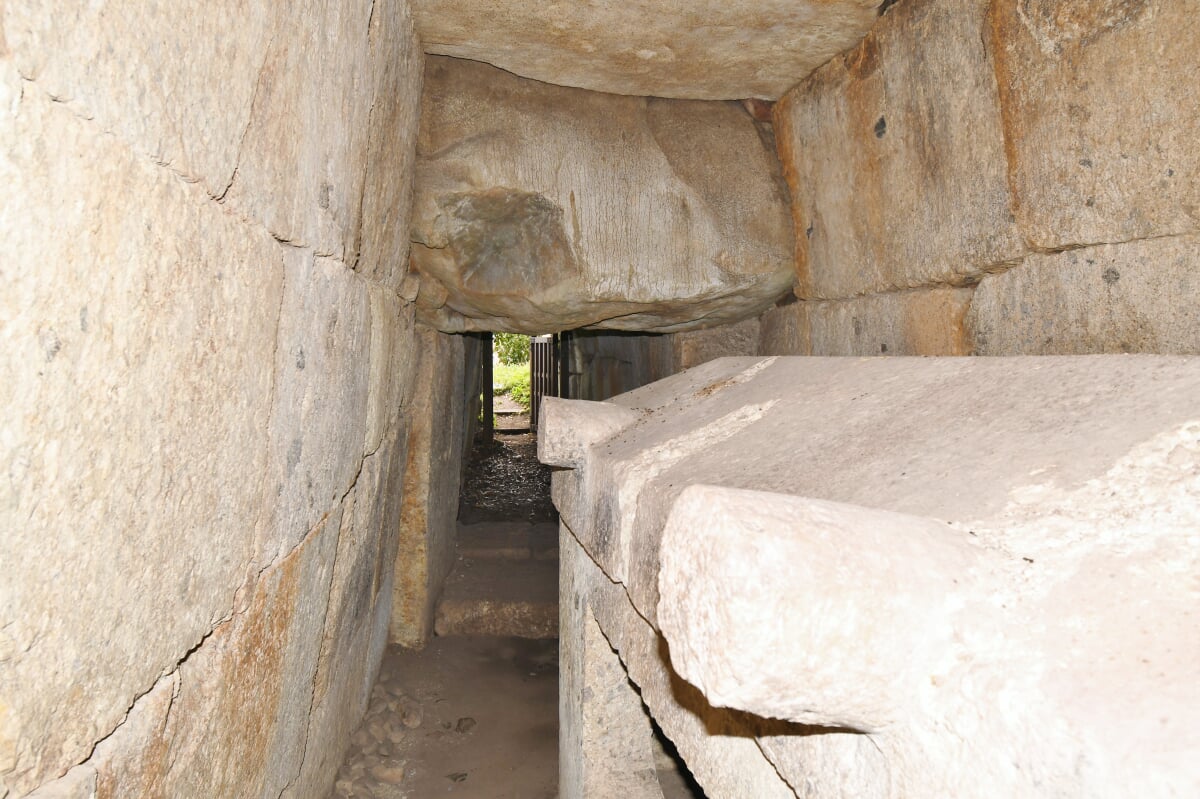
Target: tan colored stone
pixel 895 158
pixel 119 64
pixel 700 49
pixel 430 489
pixel 393 363
pixel 233 724
pixel 78 783
pixel 136 382
pixel 302 166
pixel 695 347
pixel 322 384
pixel 355 630
pixel 1100 117
pixel 391 145
pixel 1134 297
pixel 785 330
pixel 542 208
pixel 922 322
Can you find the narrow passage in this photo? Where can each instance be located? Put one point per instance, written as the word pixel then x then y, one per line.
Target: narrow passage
pixel 474 715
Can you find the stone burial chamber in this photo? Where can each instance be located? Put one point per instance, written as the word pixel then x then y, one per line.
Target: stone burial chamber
pixel 974 578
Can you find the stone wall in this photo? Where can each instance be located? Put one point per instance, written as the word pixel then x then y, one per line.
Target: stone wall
pixel 997 177
pixel 206 371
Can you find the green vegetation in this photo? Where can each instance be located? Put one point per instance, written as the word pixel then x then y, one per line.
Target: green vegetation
pixel 513 380
pixel 511 348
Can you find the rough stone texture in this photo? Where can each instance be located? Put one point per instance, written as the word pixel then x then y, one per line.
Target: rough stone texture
pixel 391 145
pixel 920 322
pixel 895 157
pixel 303 157
pixel 432 478
pixel 189 395
pixel 496 596
pixel 232 721
pixel 1134 297
pixel 109 469
pixel 78 783
pixel 702 49
pixel 700 346
pixel 118 64
pixel 1076 492
pixel 719 746
pixel 541 208
pixel 1101 128
pixel 358 615
pixel 319 422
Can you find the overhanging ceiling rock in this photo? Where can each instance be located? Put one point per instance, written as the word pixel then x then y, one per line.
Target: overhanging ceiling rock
pixel 695 49
pixel 541 208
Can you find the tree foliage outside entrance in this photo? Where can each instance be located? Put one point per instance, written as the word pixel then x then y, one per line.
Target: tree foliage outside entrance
pixel 511 348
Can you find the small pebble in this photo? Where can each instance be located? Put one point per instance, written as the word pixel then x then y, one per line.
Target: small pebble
pixel 411 715
pixel 389 773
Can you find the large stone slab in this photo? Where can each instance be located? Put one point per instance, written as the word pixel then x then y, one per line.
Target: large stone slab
pixel 695 347
pixel 1132 297
pixel 1099 120
pixel 391 152
pixel 1059 490
pixel 118 64
pixel 432 474
pixel 302 165
pixel 540 208
pixel 895 156
pixel 136 382
pixel 920 322
pixel 701 49
pixel 320 420
pixel 233 720
pixel 360 604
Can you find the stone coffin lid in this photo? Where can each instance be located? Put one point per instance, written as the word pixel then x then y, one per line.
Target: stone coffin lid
pixel 904 546
pixel 700 49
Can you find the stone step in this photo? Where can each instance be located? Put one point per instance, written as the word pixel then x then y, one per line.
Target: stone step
pixel 511 540
pixel 500 596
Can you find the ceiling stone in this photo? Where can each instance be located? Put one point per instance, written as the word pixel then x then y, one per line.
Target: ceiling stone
pixel 694 49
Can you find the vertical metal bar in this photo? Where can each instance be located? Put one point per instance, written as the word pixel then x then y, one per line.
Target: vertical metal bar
pixel 564 364
pixel 489 410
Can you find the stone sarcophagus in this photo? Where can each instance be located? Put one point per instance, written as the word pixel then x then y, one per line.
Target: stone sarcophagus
pixel 890 577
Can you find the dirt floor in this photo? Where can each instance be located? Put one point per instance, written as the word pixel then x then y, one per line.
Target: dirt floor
pixel 505 481
pixel 475 717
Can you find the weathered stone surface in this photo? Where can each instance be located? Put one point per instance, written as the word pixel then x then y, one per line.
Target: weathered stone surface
pixel 1100 123
pixel 118 64
pixel 540 208
pixel 110 467
pixel 432 476
pixel 356 624
pixel 322 385
pixel 727 764
pixel 399 63
pixel 895 157
pixel 78 783
pixel 919 322
pixel 1076 490
pixel 169 355
pixel 695 347
pixel 1134 297
pixel 233 721
pixel 495 596
pixel 702 49
pixel 301 169
pixel 785 330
